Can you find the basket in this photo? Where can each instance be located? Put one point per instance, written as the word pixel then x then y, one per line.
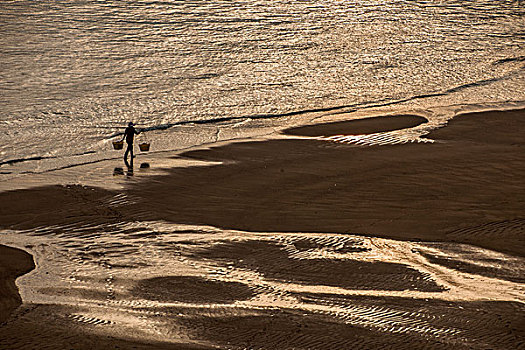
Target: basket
pixel 118 144
pixel 144 147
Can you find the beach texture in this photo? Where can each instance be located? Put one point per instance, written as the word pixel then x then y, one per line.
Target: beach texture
pixel 316 240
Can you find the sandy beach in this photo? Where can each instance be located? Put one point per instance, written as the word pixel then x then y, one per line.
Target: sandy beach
pixel 331 236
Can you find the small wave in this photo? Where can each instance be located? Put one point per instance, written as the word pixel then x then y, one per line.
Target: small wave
pixel 69 166
pixel 20 160
pixel 510 59
pixel 236 119
pixel 231 119
pixel 29 159
pixel 474 84
pixel 348 107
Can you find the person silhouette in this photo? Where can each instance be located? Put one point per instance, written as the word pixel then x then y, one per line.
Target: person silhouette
pixel 129 135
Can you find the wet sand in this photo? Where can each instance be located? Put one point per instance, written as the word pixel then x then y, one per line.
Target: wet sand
pixel 466 187
pixel 288 243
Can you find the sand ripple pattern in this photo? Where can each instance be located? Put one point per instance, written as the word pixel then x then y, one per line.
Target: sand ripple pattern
pixel 378 139
pixel 201 286
pixel 89 320
pixel 491 229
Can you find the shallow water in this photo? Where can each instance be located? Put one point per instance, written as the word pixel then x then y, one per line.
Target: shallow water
pixel 74 72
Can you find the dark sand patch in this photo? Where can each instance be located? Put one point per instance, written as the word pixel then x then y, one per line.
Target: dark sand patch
pixel 358 127
pixel 299 329
pixel 191 289
pixel 49 327
pixel 271 261
pixel 486 324
pixel 13 263
pixel 412 191
pixel 55 205
pixel 494 127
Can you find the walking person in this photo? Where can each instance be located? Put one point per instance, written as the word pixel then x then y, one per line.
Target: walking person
pixel 129 135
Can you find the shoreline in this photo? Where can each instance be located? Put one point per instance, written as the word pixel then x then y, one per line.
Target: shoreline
pixel 403 182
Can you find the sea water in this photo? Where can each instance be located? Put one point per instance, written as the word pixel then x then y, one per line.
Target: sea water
pixel 73 73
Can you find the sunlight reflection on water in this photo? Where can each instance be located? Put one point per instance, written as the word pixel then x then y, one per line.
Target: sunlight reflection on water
pixel 74 72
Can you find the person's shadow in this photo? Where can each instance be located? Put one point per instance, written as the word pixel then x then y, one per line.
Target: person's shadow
pixel 119 171
pixel 129 165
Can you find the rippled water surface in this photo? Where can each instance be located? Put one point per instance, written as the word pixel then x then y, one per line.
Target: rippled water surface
pixel 74 72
